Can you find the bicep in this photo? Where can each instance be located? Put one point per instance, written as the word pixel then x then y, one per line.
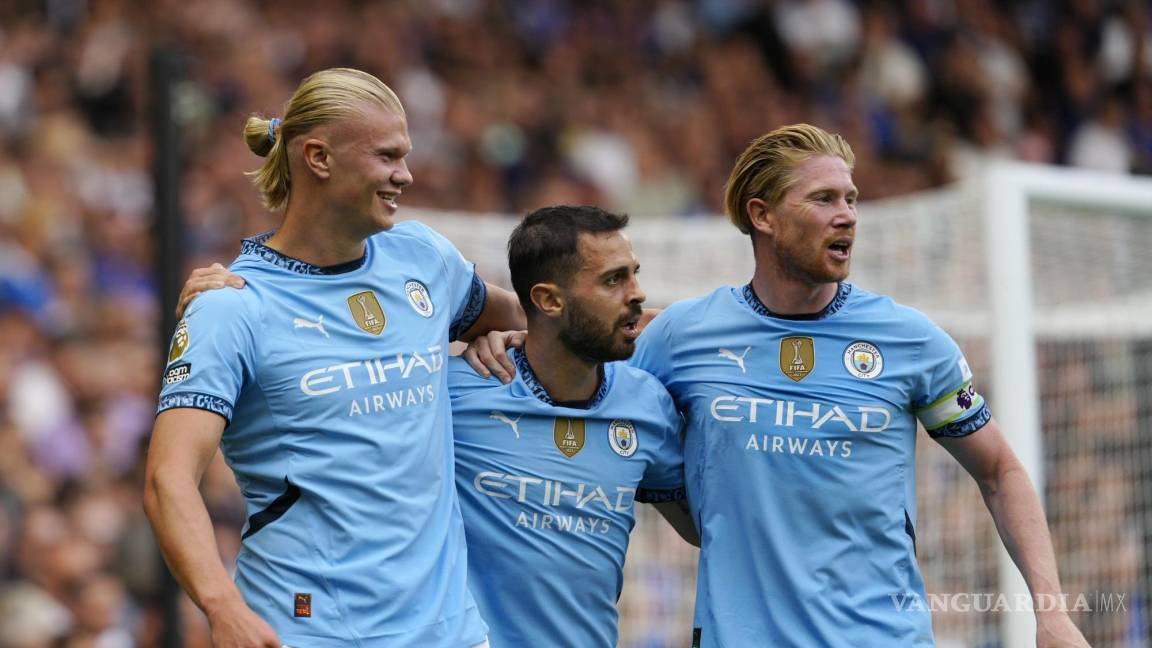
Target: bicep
pixel 679 516
pixel 501 312
pixel 985 453
pixel 184 440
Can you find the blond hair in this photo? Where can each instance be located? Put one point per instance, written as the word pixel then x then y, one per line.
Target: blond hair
pixel 764 169
pixel 323 97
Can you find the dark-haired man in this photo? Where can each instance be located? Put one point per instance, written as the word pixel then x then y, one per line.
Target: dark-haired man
pixel 549 465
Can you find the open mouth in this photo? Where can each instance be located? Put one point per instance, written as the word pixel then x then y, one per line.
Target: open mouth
pixel 631 327
pixel 841 249
pixel 389 198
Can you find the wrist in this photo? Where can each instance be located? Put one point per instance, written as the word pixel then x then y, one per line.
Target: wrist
pixel 220 603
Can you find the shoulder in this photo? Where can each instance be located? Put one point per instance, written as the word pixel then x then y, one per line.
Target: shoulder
pixel 866 304
pixel 410 232
pixel 686 312
pixel 640 387
pixel 463 379
pixel 226 304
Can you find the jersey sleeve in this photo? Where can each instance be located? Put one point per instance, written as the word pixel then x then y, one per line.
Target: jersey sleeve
pixel 664 478
pixel 945 401
pixel 211 356
pixel 466 290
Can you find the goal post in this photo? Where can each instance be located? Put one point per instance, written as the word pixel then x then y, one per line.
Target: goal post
pixel 1010 192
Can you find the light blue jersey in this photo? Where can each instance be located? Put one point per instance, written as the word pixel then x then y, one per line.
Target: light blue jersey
pixel 334 385
pixel 547 493
pixel 800 462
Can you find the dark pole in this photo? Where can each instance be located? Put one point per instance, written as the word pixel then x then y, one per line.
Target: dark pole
pixel 166 71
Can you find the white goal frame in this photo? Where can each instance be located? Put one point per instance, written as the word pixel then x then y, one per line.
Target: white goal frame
pixel 1010 188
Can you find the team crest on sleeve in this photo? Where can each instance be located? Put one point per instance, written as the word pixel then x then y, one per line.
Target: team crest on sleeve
pixel 367 312
pixel 797 357
pixel 622 437
pixel 179 341
pixel 569 435
pixel 863 360
pixel 419 298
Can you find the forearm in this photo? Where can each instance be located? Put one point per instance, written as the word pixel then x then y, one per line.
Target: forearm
pixel 1020 521
pixel 183 528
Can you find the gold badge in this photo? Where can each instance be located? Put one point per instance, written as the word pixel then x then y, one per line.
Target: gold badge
pixel 797 357
pixel 569 435
pixel 367 312
pixel 179 341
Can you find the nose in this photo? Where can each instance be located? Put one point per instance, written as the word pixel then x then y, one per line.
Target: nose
pixel 402 177
pixel 846 217
pixel 636 295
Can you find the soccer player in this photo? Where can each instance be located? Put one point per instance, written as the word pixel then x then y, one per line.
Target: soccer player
pixel 548 466
pixel 323 383
pixel 801 394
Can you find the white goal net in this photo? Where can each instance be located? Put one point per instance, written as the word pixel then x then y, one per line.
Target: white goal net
pixel 1044 277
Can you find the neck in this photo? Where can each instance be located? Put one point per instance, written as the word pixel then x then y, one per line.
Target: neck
pixel 785 294
pixel 314 237
pixel 565 376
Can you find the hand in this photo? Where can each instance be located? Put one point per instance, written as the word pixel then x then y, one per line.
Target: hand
pixel 211 278
pixel 239 627
pixel 1055 629
pixel 487 354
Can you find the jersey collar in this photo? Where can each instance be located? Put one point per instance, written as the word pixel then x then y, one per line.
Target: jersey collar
pixel 255 246
pixel 836 304
pixel 524 370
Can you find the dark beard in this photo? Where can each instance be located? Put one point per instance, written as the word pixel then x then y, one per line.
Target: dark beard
pixel 589 340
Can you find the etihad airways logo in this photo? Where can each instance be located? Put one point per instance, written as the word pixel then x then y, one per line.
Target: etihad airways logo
pixel 350 375
pixel 786 413
pixel 550 492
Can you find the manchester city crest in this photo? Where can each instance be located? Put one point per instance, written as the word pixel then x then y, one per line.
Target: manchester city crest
pixel 419 298
pixel 622 437
pixel 863 360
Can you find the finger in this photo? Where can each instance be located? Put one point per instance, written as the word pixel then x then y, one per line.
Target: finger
pixel 491 361
pixel 235 281
pixel 470 356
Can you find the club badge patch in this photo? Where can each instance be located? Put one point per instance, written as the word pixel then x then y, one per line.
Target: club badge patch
pixel 419 298
pixel 569 435
pixel 367 312
pixel 797 357
pixel 622 437
pixel 179 341
pixel 863 360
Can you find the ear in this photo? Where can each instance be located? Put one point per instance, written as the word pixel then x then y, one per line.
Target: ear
pixel 548 299
pixel 760 216
pixel 317 157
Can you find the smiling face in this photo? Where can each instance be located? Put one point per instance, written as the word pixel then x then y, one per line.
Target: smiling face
pixel 812 230
pixel 603 299
pixel 367 168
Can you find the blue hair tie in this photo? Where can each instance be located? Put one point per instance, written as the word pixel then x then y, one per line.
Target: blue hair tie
pixel 272 124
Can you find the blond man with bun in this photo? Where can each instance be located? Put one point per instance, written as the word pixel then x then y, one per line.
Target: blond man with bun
pixel 323 384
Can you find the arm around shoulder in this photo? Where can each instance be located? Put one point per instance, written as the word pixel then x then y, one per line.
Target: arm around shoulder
pixel 502 312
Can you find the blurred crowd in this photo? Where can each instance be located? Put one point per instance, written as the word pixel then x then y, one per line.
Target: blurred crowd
pixel 638 106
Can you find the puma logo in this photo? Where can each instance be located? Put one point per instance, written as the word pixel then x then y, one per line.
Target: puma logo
pixel 300 322
pixel 738 359
pixel 503 418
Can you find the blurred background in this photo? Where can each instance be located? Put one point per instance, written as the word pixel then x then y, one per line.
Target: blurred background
pixel 639 106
